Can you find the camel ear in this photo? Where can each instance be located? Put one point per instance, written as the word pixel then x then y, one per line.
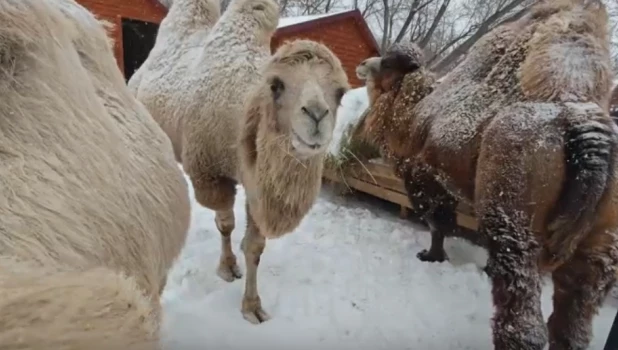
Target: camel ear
pixel 276 87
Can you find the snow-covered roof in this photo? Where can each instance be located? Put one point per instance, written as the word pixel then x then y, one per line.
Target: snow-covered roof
pixel 283 22
pixel 166 3
pixel 290 21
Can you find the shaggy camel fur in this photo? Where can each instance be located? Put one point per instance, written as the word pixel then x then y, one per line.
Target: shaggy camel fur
pixel 410 58
pixel 289 123
pixel 95 209
pixel 180 41
pixel 206 107
pixel 429 199
pixel 520 131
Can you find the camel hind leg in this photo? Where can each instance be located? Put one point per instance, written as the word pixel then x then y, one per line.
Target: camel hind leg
pixel 508 176
pixel 516 282
pixel 228 269
pixel 580 286
pixel 219 195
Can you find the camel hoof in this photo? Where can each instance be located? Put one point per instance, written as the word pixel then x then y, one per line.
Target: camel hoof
pixel 229 273
pixel 429 256
pixel 256 316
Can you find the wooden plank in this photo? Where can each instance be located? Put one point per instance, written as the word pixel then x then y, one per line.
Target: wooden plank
pixel 388 183
pixel 380 192
pixel 467 221
pixel 379 174
pixel 395 194
pixel 465 208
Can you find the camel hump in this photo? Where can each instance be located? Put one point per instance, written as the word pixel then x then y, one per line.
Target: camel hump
pixel 590 147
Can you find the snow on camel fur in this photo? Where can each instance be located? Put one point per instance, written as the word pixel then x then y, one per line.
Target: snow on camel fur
pixel 520 131
pixel 94 208
pixel 210 105
pixel 204 110
pixel 182 31
pixel 180 40
pixel 289 122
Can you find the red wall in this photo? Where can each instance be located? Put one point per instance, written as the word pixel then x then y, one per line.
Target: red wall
pixel 343 36
pixel 113 10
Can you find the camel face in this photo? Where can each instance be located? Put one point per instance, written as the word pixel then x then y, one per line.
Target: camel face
pixel 368 68
pixel 306 104
pixel 399 60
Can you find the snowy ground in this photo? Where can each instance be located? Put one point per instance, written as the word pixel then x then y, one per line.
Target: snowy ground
pixel 347 278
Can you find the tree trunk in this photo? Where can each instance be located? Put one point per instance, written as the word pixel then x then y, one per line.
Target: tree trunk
pixel 446 63
pixel 434 25
pixel 408 21
pixel 387 16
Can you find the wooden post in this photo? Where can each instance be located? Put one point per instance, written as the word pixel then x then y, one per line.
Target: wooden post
pixel 403 212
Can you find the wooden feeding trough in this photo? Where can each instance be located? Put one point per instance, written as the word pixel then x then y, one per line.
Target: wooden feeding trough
pixel 377 178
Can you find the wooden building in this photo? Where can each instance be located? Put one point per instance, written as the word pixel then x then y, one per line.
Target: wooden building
pixel 137 21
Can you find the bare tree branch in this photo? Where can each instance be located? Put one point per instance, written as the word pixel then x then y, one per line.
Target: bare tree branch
pixel 386 35
pixel 450 44
pixel 434 25
pixel 485 26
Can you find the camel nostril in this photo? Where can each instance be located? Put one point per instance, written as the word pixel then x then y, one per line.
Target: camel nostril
pixel 316 114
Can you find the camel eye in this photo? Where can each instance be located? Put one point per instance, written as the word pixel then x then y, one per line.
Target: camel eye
pixel 276 87
pixel 259 7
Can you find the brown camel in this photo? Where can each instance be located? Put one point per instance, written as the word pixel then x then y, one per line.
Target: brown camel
pixel 520 131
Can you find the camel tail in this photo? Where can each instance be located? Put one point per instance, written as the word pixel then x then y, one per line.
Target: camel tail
pixel 97 309
pixel 590 146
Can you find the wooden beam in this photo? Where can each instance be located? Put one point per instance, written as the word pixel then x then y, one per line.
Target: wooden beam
pixel 374 185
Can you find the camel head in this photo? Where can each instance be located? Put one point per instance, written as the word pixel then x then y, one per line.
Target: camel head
pixel 398 60
pixel 381 74
pixel 306 83
pixel 264 14
pixel 395 82
pixel 368 68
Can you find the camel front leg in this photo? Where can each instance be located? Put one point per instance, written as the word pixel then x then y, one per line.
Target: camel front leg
pixel 252 245
pixel 439 224
pixel 433 203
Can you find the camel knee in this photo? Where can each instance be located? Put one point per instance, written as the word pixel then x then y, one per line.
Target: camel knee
pixel 253 243
pixel 217 194
pixel 225 221
pixel 516 289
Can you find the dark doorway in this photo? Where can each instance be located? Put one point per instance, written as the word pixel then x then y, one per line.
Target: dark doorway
pixel 138 38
